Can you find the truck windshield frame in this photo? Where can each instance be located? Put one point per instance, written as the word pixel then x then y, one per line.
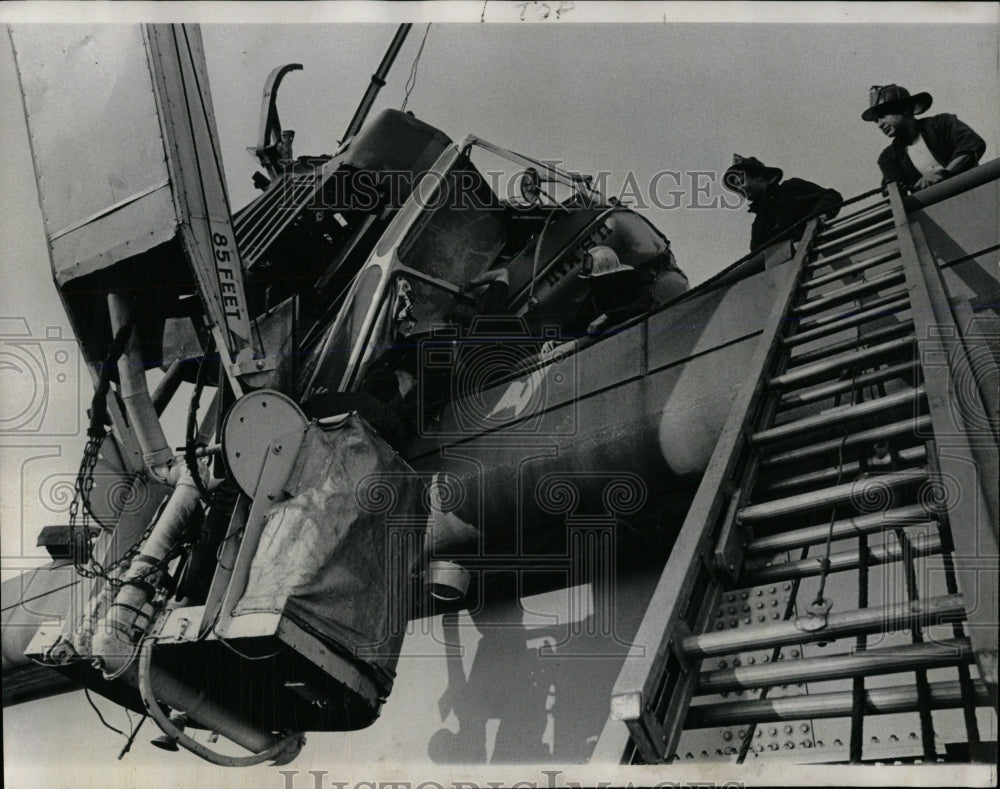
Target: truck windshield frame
pixel 448 231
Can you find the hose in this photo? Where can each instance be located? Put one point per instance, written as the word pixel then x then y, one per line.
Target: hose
pixel 282 752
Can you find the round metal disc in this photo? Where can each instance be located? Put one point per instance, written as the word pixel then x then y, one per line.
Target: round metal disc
pixel 252 424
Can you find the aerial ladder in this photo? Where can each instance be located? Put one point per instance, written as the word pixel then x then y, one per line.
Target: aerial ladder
pixel 839 561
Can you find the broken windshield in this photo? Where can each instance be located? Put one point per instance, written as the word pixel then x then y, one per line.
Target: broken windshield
pixel 459 223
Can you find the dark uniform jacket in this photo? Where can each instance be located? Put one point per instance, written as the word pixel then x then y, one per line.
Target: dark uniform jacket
pixel 785 204
pixel 945 136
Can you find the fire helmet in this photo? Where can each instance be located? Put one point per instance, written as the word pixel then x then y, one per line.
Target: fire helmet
pixel 600 261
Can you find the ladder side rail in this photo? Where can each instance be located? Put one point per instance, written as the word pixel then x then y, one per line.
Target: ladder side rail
pixel 973 512
pixel 656 640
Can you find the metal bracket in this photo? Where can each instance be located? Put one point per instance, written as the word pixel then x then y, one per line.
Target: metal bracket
pixel 246 364
pixel 729 547
pixel 681 631
pixel 274 473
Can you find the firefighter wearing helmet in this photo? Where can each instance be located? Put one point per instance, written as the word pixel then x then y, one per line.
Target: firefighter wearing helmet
pixel 622 290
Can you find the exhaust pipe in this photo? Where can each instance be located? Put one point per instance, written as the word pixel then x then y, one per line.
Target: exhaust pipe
pixel 156 453
pixel 128 617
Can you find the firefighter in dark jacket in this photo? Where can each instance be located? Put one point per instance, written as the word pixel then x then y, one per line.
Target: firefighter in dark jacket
pixel 780 206
pixel 923 151
pixel 620 291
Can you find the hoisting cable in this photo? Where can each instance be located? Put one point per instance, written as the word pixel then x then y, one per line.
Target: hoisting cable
pixel 825 561
pixel 411 81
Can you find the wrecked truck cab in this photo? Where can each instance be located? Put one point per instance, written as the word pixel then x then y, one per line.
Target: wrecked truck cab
pixel 480 211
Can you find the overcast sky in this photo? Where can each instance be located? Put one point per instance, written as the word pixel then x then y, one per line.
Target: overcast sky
pixel 622 98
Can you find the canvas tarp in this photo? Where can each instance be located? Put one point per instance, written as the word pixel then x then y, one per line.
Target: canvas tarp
pixel 331 556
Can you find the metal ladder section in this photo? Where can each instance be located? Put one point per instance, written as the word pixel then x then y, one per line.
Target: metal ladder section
pixel 838 565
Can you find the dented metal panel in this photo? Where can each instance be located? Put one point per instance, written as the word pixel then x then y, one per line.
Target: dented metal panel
pixel 98 153
pixel 139 166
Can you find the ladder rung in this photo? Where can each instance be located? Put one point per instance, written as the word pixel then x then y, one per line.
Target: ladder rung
pixel 888 660
pixel 846 219
pixel 823 320
pixel 806 396
pixel 910 455
pixel 864 217
pixel 873 336
pixel 860 233
pixel 864 246
pixel 854 268
pixel 851 292
pixel 837 416
pixel 840 561
pixel 921 425
pixel 854 491
pixel 878 701
pixel 808 372
pixel 909 515
pixel 925 612
pixel 884 308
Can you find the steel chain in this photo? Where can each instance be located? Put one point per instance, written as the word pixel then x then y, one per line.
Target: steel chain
pixel 81 522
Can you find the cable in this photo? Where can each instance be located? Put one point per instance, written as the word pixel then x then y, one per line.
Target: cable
pixel 132 736
pixel 90 701
pixel 281 752
pixel 24 600
pixel 825 561
pixel 411 81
